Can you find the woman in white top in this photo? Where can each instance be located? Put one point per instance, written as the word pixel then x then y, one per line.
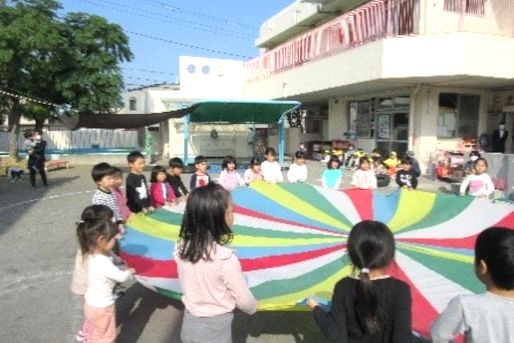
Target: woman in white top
pixel 479 183
pixel 298 170
pixel 271 171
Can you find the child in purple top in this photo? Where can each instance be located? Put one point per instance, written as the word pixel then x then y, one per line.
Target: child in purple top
pixel 229 177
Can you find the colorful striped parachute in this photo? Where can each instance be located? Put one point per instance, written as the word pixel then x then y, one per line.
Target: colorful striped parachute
pixel 291 240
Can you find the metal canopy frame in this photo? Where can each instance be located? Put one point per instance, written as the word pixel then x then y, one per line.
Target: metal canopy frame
pixel 226 116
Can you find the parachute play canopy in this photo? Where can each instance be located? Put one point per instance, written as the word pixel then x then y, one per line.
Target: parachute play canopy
pixel 291 241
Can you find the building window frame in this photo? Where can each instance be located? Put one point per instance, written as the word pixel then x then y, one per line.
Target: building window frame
pixel 132 104
pixel 471 7
pixel 458 117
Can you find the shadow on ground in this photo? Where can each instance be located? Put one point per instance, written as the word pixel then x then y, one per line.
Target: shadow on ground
pixel 19 197
pixel 136 309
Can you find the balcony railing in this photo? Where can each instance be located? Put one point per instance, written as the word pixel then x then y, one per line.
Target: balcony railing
pixel 379 19
pixel 374 20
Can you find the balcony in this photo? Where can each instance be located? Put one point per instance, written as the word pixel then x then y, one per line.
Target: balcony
pixel 379 20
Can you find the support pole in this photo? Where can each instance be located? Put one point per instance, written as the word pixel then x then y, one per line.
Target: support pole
pixel 186 138
pixel 281 140
pixel 254 139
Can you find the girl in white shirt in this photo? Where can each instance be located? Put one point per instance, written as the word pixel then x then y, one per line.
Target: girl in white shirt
pixel 479 183
pixel 97 237
pixel 298 170
pixel 271 171
pixel 364 177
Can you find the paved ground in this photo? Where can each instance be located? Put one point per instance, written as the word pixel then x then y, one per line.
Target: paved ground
pixel 37 249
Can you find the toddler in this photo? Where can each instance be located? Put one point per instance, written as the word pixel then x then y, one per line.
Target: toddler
pixel 200 178
pixel 298 170
pixel 229 177
pixel 479 183
pixel 364 177
pixel 406 176
pixel 138 197
pixel 121 199
pixel 103 176
pixel 161 191
pixel 209 272
pixel 486 317
pixel 331 177
pixel 176 167
pixel 370 306
pixel 271 171
pixel 253 173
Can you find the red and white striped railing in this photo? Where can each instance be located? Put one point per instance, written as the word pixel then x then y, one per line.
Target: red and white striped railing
pixel 374 20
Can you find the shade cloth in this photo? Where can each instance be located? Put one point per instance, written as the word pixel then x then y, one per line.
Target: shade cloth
pixel 211 111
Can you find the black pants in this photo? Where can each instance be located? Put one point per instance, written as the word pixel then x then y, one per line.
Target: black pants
pixel 37 166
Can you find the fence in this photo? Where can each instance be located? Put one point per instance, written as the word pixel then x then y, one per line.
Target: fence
pixel 60 138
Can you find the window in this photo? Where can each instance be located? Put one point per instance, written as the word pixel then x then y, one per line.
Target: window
pixel 458 115
pixel 132 104
pixel 475 7
pixel 362 119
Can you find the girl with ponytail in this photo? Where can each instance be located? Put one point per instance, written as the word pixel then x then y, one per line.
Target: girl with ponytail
pixel 370 306
pixel 96 271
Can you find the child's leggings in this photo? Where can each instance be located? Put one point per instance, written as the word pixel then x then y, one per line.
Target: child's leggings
pixel 103 320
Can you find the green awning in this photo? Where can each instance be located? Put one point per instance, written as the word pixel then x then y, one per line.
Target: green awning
pixel 211 111
pixel 240 112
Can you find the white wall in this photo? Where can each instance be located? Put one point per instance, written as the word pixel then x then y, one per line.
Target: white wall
pixel 449 55
pixel 210 78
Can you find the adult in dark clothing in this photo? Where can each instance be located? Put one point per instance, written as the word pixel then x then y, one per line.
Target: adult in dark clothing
pixel 37 158
pixel 371 307
pixel 499 138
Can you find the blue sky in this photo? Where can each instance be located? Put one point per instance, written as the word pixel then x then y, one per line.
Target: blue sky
pixel 226 27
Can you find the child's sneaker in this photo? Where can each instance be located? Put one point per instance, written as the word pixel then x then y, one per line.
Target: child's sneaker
pixel 81 337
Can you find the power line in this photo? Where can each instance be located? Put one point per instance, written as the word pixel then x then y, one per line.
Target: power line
pixel 149 71
pixel 188 45
pixel 226 21
pixel 144 79
pixel 155 16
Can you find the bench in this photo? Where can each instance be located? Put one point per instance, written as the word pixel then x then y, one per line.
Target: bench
pixel 55 164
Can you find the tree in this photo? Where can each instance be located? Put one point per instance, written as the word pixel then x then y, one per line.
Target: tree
pixel 71 61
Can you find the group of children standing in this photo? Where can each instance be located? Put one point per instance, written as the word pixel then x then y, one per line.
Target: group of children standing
pixel 369 306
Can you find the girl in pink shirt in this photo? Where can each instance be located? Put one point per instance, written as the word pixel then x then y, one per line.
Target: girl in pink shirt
pixel 210 275
pixel 121 199
pixel 229 177
pixel 161 192
pixel 253 173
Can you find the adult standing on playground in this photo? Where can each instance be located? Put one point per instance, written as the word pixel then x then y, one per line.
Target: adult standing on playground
pixel 37 158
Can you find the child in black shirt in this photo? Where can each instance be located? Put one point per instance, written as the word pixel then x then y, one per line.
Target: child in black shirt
pixel 176 166
pixel 138 198
pixel 370 307
pixel 406 175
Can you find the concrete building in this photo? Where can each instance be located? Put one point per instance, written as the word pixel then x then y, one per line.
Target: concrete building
pixel 200 79
pixel 397 74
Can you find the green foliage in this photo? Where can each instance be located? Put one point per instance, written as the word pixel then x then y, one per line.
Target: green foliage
pixel 73 60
